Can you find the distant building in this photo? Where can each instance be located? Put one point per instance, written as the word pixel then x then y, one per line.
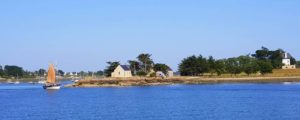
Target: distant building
pixel 160 74
pixel 170 73
pixel 122 71
pixel 286 61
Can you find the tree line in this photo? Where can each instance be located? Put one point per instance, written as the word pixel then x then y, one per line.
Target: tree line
pixel 142 66
pixel 263 61
pixel 13 71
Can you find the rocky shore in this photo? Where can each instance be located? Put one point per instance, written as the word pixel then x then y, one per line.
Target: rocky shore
pixel 114 82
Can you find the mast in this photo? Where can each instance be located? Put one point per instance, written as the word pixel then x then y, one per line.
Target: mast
pixel 51 74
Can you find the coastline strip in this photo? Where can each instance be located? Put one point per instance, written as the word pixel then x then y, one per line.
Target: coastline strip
pixel 119 82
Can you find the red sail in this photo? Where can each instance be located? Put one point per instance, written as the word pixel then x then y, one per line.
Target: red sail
pixel 51 74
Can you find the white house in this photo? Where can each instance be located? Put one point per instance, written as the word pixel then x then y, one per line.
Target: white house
pixel 122 71
pixel 286 61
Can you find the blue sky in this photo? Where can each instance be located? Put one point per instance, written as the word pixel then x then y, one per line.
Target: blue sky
pixel 84 34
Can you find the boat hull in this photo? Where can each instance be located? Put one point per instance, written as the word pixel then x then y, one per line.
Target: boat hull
pixel 52 87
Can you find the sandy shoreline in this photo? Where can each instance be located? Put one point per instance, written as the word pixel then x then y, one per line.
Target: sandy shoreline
pixel 113 82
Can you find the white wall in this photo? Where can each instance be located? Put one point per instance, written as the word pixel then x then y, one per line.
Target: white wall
pixel 286 61
pixel 120 72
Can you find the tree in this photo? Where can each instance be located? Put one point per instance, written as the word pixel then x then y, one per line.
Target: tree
pixel 193 66
pixel 100 73
pixel 134 66
pixel 82 73
pixel 147 62
pixel 27 74
pixel 187 66
pixel 251 68
pixel 276 58
pixel 161 67
pixel 90 73
pixel 262 54
pixel 1 71
pixel 110 68
pixel 294 61
pixel 265 66
pixel 61 73
pixel 212 65
pixel 14 71
pixel 141 73
pixel 233 66
pixel 298 64
pixel 41 72
pixel 219 67
pixel 248 64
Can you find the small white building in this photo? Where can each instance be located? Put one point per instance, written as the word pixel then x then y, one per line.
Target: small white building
pixel 160 74
pixel 170 73
pixel 122 71
pixel 286 61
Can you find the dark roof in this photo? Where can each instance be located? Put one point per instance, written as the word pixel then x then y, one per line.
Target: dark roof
pixel 286 57
pixel 125 67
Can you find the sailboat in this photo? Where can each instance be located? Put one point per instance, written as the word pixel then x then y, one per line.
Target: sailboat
pixel 51 80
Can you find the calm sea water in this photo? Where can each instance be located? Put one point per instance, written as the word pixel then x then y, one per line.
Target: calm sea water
pixel 171 102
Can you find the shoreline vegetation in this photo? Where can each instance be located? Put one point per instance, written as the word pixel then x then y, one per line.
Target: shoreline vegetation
pixel 147 81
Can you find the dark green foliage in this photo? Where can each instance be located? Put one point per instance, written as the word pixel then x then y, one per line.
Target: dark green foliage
pixel 265 66
pixel 141 73
pixel 1 71
pixel 233 66
pixel 293 61
pixel 134 66
pixel 276 58
pixel 193 66
pixel 27 74
pixel 144 65
pixel 110 68
pixel 251 67
pixel 298 64
pixel 248 64
pixel 100 73
pixel 61 73
pixel 212 65
pixel 262 54
pixel 216 66
pixel 219 67
pixel 161 67
pixel 41 72
pixel 14 71
pixel 147 62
